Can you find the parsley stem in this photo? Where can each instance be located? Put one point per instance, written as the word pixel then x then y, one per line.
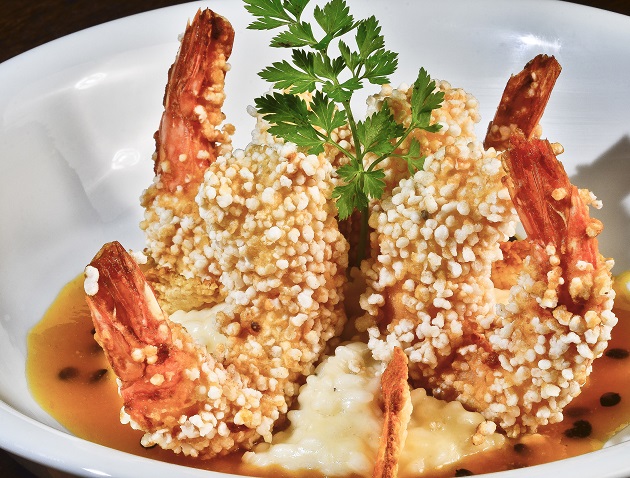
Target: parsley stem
pixel 355 134
pixel 326 139
pixel 363 235
pixel 400 141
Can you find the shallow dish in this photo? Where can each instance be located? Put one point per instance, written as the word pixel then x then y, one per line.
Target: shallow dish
pixel 78 115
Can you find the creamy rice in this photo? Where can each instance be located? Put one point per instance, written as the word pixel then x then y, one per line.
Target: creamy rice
pixel 202 326
pixel 442 433
pixel 336 428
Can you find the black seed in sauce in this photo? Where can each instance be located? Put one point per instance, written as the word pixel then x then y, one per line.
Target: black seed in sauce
pixel 521 448
pixel 93 331
pixel 255 326
pixel 424 214
pixel 618 354
pixel 463 472
pixel 98 375
pixel 68 373
pixel 580 429
pixel 609 399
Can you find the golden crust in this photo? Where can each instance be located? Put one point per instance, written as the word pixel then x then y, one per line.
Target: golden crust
pixel 506 271
pixel 174 292
pixel 397 413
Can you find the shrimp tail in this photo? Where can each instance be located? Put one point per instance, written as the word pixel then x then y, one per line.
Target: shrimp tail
pixel 192 102
pixel 523 102
pixel 139 343
pixel 191 135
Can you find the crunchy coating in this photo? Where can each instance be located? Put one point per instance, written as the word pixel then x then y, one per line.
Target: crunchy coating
pixel 435 238
pixel 457 118
pixel 559 316
pixel 279 254
pixel 254 231
pixel 275 243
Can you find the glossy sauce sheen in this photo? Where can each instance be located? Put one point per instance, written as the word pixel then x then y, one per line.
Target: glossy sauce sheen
pixel 71 379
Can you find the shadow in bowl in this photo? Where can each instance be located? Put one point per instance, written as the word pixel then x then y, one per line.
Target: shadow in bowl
pixel 609 179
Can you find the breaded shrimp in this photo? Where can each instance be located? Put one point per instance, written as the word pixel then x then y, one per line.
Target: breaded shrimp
pixel 188 140
pixel 558 319
pixel 430 292
pixel 436 236
pixel 270 254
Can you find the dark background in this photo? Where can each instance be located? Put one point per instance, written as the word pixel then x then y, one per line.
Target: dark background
pixel 26 24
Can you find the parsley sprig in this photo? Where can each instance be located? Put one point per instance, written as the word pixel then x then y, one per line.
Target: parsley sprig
pixel 332 79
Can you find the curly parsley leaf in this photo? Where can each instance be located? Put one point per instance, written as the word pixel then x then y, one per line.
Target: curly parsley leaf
pixel 325 115
pixel 290 119
pixel 377 131
pixel 360 187
pixel 335 20
pixel 349 197
pixel 298 35
pixel 413 157
pixel 373 183
pixel 270 14
pixel 284 76
pixel 424 99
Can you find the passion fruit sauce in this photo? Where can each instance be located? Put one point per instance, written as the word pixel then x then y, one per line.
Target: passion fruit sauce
pixel 70 377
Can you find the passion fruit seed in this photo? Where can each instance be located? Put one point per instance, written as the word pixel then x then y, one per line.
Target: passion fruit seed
pixel 463 472
pixel 521 448
pixel 609 399
pixel 98 375
pixel 68 373
pixel 617 354
pixel 580 429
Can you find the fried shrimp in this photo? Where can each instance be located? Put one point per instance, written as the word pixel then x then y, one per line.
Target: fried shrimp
pixel 559 316
pixel 430 288
pixel 189 139
pixel 269 254
pixel 435 237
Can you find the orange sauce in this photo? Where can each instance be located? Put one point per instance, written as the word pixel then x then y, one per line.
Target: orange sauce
pixel 71 379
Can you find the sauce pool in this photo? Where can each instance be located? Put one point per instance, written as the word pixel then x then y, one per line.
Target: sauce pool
pixel 71 379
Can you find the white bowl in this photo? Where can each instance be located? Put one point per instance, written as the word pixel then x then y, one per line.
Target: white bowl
pixel 78 115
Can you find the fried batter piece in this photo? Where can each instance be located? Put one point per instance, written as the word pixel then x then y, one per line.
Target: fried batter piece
pixel 396 414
